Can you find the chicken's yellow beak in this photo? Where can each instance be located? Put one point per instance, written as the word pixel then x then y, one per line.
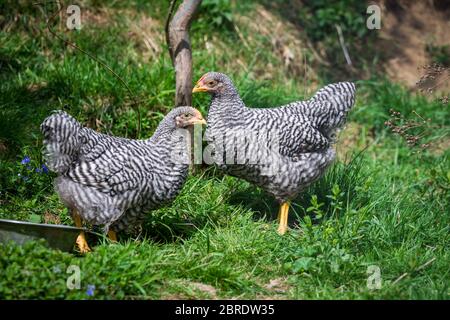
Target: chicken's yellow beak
pixel 199 87
pixel 199 120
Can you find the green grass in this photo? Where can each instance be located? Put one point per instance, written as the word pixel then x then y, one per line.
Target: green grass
pixel 385 206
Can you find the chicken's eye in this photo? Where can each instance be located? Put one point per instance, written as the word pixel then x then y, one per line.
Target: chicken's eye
pixel 186 115
pixel 211 83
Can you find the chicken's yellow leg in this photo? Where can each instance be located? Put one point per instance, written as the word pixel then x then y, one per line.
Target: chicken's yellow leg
pixel 283 218
pixel 112 236
pixel 81 239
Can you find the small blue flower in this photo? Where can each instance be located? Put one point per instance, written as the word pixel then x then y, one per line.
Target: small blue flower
pixel 90 290
pixel 44 168
pixel 25 160
pixel 56 269
pixel 28 167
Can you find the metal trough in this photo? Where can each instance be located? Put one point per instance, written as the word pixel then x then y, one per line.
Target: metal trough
pixel 57 236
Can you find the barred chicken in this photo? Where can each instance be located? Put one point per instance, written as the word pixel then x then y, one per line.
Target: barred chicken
pixel 113 181
pixel 283 149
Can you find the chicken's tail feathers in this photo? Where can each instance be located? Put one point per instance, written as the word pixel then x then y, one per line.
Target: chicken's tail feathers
pixel 61 140
pixel 341 95
pixel 330 105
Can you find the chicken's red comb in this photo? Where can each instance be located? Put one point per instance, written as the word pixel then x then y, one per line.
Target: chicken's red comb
pixel 203 76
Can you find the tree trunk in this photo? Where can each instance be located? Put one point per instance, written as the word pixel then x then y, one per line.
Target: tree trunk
pixel 177 37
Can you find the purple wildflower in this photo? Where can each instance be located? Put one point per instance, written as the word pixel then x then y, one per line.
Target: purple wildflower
pixel 25 160
pixel 44 169
pixel 90 290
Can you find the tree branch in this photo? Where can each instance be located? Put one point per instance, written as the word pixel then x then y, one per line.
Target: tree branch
pixel 169 17
pixel 177 37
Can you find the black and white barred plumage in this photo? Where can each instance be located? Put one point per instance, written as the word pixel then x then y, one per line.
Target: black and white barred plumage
pixel 113 181
pixel 302 132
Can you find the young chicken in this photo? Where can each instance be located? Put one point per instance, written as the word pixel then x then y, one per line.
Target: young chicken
pixel 282 149
pixel 113 181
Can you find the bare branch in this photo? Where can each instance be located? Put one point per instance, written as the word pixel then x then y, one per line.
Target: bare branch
pixel 166 28
pixel 180 49
pixel 342 43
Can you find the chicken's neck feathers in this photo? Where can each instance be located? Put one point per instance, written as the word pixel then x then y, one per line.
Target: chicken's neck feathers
pixel 226 107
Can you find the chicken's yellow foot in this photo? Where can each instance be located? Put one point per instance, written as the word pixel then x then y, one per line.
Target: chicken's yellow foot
pixel 283 218
pixel 81 239
pixel 82 243
pixel 112 236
